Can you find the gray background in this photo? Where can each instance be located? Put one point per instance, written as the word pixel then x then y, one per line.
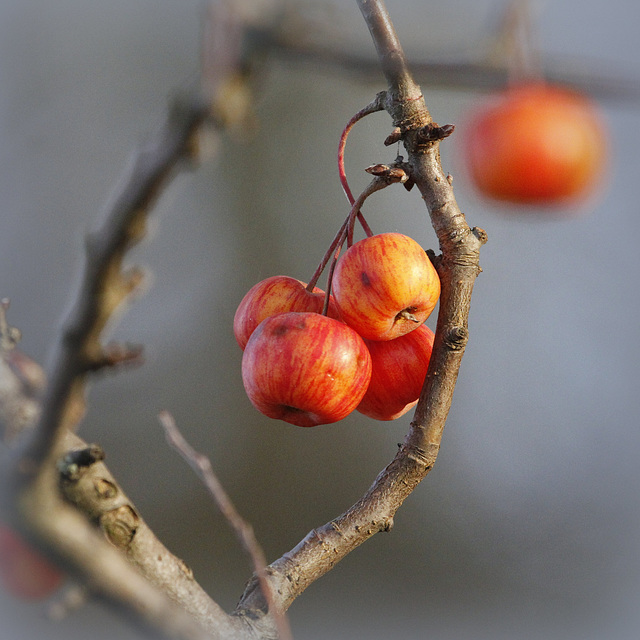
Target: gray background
pixel 528 526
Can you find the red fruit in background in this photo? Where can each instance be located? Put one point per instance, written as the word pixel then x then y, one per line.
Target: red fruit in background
pixel 24 572
pixel 277 294
pixel 398 371
pixel 536 144
pixel 385 286
pixel 305 368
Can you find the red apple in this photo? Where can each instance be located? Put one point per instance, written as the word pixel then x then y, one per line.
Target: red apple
pixel 398 369
pixel 277 294
pixel 385 286
pixel 305 368
pixel 25 573
pixel 536 144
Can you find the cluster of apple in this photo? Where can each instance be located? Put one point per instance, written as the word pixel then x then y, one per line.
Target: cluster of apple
pixel 311 358
pixel 24 572
pixel 535 143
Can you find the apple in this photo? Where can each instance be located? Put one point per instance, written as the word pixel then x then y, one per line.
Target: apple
pixel 24 572
pixel 305 368
pixel 385 286
pixel 536 143
pixel 398 370
pixel 274 295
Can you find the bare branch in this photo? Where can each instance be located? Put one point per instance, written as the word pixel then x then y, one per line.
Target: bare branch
pixel 105 285
pixel 21 382
pixel 67 535
pixel 244 531
pixel 87 483
pixel 325 546
pixel 591 77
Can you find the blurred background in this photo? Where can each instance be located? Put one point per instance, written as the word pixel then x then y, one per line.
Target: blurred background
pixel 528 525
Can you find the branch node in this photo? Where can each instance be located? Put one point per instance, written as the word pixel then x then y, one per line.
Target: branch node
pixel 120 525
pixel 424 456
pixel 105 489
pixel 481 234
pixel 73 465
pixel 456 338
pixel 434 133
pixel 390 174
pixel 9 336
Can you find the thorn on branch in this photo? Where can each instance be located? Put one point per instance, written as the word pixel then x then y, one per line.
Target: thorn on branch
pixel 116 354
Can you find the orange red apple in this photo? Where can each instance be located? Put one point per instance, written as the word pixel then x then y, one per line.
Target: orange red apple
pixel 305 368
pixel 398 370
pixel 536 143
pixel 274 295
pixel 385 286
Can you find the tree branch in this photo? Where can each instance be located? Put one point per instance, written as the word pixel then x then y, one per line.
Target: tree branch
pixel 105 285
pixel 478 73
pixel 243 530
pixel 39 508
pixel 458 267
pixel 87 483
pixel 66 532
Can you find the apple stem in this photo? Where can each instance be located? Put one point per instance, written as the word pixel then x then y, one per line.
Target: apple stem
pixel 519 43
pixel 347 229
pixel 336 243
pixel 376 105
pixel 327 297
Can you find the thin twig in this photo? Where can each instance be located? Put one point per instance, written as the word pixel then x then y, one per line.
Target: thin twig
pixel 87 483
pixel 592 77
pixel 105 285
pixel 201 464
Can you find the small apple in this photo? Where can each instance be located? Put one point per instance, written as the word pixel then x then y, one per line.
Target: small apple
pixel 385 286
pixel 398 370
pixel 274 295
pixel 536 143
pixel 305 368
pixel 24 572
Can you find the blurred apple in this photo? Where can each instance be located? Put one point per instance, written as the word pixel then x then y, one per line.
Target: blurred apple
pixel 385 286
pixel 305 368
pixel 25 573
pixel 538 144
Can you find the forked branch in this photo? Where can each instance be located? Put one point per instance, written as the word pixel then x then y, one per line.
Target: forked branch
pixel 458 268
pixel 106 285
